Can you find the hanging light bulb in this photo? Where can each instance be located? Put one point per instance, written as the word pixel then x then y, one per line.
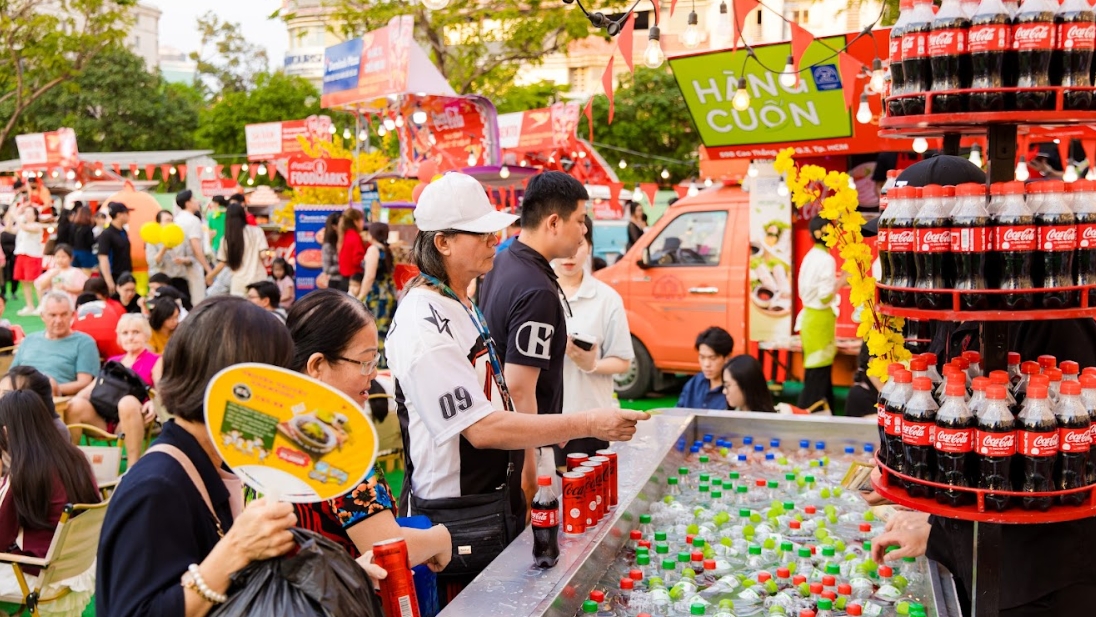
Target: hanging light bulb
pixel 877 81
pixel 788 77
pixel 262 170
pixel 504 173
pixel 622 164
pixel 399 122
pixel 707 182
pixel 863 112
pixel 99 172
pixel 782 190
pixel 1022 170
pixel 723 32
pixel 346 133
pixel 693 190
pixel 752 171
pixel 471 160
pixel 244 167
pixel 524 163
pixel 390 124
pixel 79 184
pixel 1091 175
pixel 381 131
pixel 171 171
pixel 976 155
pixel 653 56
pixel 691 37
pixel 1070 174
pixel 435 5
pixel 363 135
pixel 920 145
pixel 331 128
pixel 70 175
pixel 419 117
pixel 251 181
pixel 741 99
pixel 582 154
pixel 665 174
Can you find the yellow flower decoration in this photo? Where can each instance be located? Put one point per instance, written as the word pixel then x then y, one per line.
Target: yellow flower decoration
pixel 812 184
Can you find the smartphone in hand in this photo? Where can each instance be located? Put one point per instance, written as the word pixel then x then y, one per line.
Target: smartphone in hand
pixel 583 342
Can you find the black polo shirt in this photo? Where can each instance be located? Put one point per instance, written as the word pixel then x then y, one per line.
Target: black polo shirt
pixel 114 243
pixel 526 316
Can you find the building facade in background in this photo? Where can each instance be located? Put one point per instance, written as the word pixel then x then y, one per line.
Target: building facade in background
pixel 177 67
pixel 308 37
pixel 144 35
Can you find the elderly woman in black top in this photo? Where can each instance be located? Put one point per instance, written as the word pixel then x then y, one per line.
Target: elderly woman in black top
pixel 162 551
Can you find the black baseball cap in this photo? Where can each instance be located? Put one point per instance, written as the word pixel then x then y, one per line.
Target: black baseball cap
pixel 943 169
pixel 115 208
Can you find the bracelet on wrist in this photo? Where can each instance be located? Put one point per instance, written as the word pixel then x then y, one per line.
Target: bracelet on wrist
pixel 198 585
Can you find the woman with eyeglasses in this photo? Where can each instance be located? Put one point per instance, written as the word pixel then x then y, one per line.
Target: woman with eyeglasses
pixel 345 358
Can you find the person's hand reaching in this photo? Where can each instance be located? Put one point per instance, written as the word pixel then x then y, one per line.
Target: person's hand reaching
pixel 613 424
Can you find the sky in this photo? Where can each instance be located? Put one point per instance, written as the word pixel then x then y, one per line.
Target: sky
pixel 178 27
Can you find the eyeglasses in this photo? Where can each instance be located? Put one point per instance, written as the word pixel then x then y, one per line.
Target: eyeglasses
pixel 484 237
pixel 367 367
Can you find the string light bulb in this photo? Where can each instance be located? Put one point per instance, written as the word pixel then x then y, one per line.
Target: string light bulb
pixel 877 81
pixel 435 5
pixel 1022 170
pixel 788 77
pixel 723 32
pixel 920 145
pixel 1070 174
pixel 693 190
pixel 419 117
pixel 390 124
pixel 707 182
pixel 244 167
pixel 622 164
pixel 863 112
pixel 262 170
pixel 331 128
pixel 70 175
pixel 171 171
pixel 471 159
pixel 741 99
pixel 976 155
pixel 381 131
pixel 665 174
pixel 504 173
pixel 691 37
pixel 346 133
pixel 782 190
pixel 399 122
pixel 752 171
pixel 653 56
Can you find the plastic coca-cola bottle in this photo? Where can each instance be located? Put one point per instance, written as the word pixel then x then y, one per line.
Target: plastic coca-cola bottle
pixel 1054 391
pixel 1000 378
pixel 1014 243
pixel 974 363
pixel 901 242
pixel 1088 399
pixel 1037 447
pixel 950 57
pixel 918 429
pixel 897 83
pixel 1076 38
pixel 952 375
pixel 954 443
pixel 896 411
pixel 916 65
pixel 930 362
pixel 1027 371
pixel 1084 211
pixel 1046 361
pixel 969 233
pixel 990 44
pixel 1057 230
pixel 545 523
pixel 932 231
pixel 1013 368
pixel 978 395
pixel 1033 38
pixel 993 259
pixel 1071 371
pixel 994 446
pixel 1074 431
pixel 881 408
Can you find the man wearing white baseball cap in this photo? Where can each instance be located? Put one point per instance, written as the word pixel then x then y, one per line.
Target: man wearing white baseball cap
pixel 464 446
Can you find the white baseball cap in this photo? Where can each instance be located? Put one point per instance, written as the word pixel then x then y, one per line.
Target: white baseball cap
pixel 458 201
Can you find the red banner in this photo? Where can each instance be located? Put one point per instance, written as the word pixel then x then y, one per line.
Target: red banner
pixel 220 186
pixel 457 133
pixel 321 172
pixel 271 140
pixel 48 150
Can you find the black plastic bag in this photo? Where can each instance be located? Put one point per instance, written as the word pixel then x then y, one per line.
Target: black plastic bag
pixel 319 580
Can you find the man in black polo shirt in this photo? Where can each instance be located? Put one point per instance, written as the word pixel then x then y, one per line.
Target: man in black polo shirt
pixel 523 303
pixel 114 256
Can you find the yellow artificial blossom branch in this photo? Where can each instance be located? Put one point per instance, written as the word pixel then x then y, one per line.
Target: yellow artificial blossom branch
pixel 811 184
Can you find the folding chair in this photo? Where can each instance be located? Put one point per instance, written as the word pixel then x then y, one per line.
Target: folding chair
pixel 70 554
pixel 106 460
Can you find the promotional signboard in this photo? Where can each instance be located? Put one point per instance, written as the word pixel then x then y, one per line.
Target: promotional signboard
pixel 459 132
pixel 224 187
pixel 371 67
pixel 771 296
pixel 288 436
pixel 318 172
pixel 272 140
pixel 370 198
pixel 48 150
pixel 309 230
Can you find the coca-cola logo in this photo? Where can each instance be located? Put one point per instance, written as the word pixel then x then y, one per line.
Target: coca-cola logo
pixel 573 490
pixel 1080 33
pixel 1089 232
pixel 996 441
pixel 905 236
pixel 982 35
pixel 914 430
pixel 942 237
pixel 942 38
pixel 1034 33
pixel 1068 234
pixel 1046 441
pixel 1019 235
pixel 955 439
pixel 1078 438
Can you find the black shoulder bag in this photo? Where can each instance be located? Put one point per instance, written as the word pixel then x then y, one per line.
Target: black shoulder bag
pixel 115 381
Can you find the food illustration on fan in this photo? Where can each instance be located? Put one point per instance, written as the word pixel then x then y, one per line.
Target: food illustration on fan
pixel 316 433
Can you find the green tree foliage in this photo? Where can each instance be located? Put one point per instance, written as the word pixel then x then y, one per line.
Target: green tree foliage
pixel 510 98
pixel 227 62
pixel 275 97
pixel 649 117
pixel 478 46
pixel 48 42
pixel 116 104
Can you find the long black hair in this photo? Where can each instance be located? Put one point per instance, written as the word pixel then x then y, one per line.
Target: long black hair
pixel 31 379
pixel 40 456
pixel 235 224
pixel 379 233
pixel 160 309
pixel 331 229
pixel 746 372
pixel 310 325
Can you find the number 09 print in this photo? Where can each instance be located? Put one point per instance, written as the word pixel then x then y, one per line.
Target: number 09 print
pixel 287 435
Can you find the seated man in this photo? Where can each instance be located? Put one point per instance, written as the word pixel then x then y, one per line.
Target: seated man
pixel 68 358
pixel 97 316
pixel 266 295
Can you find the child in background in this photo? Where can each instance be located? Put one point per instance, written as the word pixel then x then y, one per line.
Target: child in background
pixel 283 277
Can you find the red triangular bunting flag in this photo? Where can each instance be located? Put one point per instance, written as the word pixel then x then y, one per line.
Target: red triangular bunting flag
pixel 150 170
pixel 133 169
pixel 182 172
pixel 589 113
pixel 650 189
pixel 614 195
pixel 801 40
pixel 681 191
pixel 235 170
pixel 1090 151
pixel 218 171
pixel 1063 151
pixel 117 169
pixel 251 171
pixel 165 172
pixel 625 41
pixel 607 83
pixel 850 71
pixel 742 9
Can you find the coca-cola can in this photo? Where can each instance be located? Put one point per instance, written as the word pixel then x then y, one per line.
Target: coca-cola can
pixel 600 466
pixel 593 478
pixel 398 588
pixel 610 479
pixel 576 459
pixel 574 503
pixel 613 475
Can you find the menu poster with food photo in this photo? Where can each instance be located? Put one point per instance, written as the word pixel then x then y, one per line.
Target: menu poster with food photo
pixel 771 294
pixel 287 435
pixel 309 231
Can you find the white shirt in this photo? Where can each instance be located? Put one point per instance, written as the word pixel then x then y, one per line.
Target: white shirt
pixel 818 279
pixel 597 311
pixel 192 228
pixel 251 266
pixel 29 243
pixel 444 385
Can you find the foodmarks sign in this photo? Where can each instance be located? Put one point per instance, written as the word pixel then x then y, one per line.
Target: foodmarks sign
pixel 319 172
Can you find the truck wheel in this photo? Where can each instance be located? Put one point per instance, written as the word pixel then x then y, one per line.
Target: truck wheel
pixel 636 381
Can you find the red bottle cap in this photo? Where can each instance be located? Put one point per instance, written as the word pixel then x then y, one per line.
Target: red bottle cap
pixel 1071 388
pixel 760 482
pixel 1037 392
pixel 1055 374
pixel 922 384
pixel 954 388
pixel 996 393
pixel 972 356
pixel 1029 368
pixel 763 577
pixel 829 581
pixel 844 589
pixel 709 564
pixel 1048 361
pixel 829 595
pixel 816 588
pixel 627 584
pixel 544 480
pixel 799 579
pixel 1088 381
pixel 949 191
pixel 1069 367
pixel 903 376
pixel 645 543
pixel 636 534
pixel 886 571
pixel 597 596
pixel 854 610
pixel 806 613
pixel 902 192
pixel 794 524
pixel 895 366
pixel 635 574
pixel 1013 357
pixel 1039 380
pixel 970 189
pixel 1054 186
pixel 865 527
pixel 697 556
pixel 1089 370
pixel 689 539
pixel 810 510
pixel 962 363
pixel 932 190
pixel 783 572
pixel 918 365
pixel 998 375
pixel 929 357
pixel 979 383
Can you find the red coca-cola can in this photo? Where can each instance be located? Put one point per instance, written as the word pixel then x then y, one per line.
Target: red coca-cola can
pixel 601 470
pixel 398 588
pixel 613 477
pixel 590 494
pixel 576 459
pixel 574 503
pixel 607 482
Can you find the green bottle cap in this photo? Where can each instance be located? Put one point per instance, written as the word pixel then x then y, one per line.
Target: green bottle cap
pixel 717 481
pixel 698 542
pixel 644 519
pixel 683 557
pixel 682 471
pixel 789 506
pixel 917 606
pixel 642 550
pixel 786 547
pixel 909 559
pixel 704 458
pixel 789 477
pixel 705 478
pixel 717 494
pixel 643 560
pixel 662 549
pixel 773 484
pixel 809 479
pixel 672 481
pixel 755 550
pixel 825 604
pixel 668 564
pixel 833 569
pixel 733 475
pixel 660 536
pixel 867 546
pixel 696 609
pixel 828 551
pixel 589 607
pixel 704 488
pixel 805 552
pixel 741 489
pixel 744 513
